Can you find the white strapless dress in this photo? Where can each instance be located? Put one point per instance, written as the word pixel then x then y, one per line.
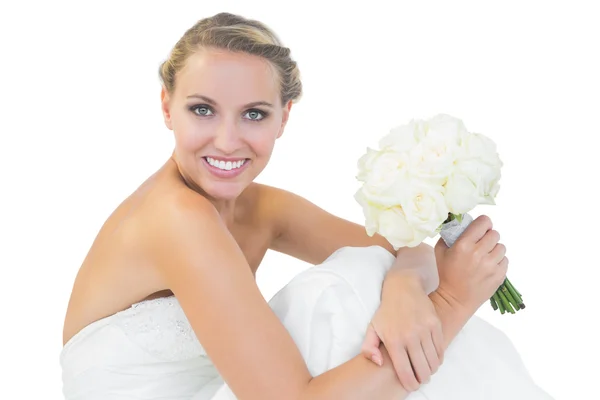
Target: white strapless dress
pixel 150 351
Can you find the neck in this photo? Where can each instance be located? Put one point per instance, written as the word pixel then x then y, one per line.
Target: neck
pixel 226 208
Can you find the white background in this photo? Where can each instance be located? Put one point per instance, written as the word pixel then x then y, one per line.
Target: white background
pixel 81 128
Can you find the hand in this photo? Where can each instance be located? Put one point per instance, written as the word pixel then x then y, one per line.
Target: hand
pixel 474 267
pixel 408 326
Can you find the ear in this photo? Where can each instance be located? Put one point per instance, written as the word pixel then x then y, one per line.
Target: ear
pixel 165 107
pixel 284 119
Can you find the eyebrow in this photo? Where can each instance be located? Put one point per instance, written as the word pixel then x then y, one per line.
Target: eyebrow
pixel 214 103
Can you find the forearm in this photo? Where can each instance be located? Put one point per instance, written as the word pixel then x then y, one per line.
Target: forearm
pixel 452 315
pixel 357 379
pixel 418 262
pixel 360 378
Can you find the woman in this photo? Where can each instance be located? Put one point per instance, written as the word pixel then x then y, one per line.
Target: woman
pixel 165 303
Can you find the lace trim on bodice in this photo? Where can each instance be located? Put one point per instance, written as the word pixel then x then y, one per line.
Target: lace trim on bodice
pixel 161 328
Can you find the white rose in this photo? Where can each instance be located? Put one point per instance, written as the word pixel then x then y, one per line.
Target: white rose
pixel 484 178
pixel 365 164
pixel 433 145
pixel 380 172
pixel 394 226
pixel 489 186
pixel 433 159
pixel 462 194
pixel 482 148
pixel 402 138
pixel 389 222
pixel 371 212
pixel 445 127
pixel 481 165
pixel 424 204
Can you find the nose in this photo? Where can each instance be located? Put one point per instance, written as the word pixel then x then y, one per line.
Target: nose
pixel 227 138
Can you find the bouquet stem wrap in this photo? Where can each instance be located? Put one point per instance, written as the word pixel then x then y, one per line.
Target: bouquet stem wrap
pixel 506 298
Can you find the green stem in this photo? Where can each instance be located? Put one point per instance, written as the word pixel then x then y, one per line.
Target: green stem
pixel 511 299
pixel 493 303
pixel 505 301
pixel 499 302
pixel 515 293
pixel 512 291
pixel 511 285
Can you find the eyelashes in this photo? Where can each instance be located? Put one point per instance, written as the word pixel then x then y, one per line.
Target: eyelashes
pixel 258 114
pixel 254 114
pixel 201 110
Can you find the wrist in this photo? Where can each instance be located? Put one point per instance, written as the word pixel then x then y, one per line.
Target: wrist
pixel 398 277
pixel 418 262
pixel 452 314
pixel 424 278
pixel 448 299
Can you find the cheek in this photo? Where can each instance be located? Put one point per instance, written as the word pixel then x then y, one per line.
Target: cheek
pixel 262 141
pixel 188 135
pixel 263 138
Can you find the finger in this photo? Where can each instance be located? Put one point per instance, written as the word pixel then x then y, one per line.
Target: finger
pixel 489 241
pixel 431 354
pixel 404 369
pixel 476 229
pixel 498 253
pixel 499 273
pixel 503 265
pixel 370 346
pixel 419 362
pixel 437 335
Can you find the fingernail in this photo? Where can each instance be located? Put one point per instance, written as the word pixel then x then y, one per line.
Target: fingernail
pixel 376 360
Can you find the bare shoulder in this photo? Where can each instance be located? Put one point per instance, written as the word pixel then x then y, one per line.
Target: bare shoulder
pixel 206 270
pixel 268 193
pixel 183 218
pixel 271 201
pixel 260 205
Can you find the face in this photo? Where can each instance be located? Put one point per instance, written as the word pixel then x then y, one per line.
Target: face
pixel 226 114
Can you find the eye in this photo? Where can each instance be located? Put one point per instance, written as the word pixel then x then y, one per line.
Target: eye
pixel 256 115
pixel 201 110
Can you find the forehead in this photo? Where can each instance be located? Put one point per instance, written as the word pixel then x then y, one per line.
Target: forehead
pixel 228 77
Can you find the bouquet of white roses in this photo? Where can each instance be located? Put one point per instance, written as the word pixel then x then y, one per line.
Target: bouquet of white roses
pixel 424 179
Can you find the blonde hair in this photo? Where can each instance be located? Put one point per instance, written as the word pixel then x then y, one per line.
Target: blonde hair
pixel 238 34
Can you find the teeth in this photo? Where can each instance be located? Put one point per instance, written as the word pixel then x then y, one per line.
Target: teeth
pixel 227 166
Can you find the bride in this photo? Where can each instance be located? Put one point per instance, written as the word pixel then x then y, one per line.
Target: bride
pixel 165 305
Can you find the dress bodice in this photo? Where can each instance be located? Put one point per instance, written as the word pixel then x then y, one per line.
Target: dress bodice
pixel 160 327
pixel 147 351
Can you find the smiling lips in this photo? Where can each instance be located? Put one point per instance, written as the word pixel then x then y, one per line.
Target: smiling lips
pixel 226 168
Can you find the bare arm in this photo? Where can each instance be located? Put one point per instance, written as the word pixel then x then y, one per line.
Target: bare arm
pixel 203 266
pixel 208 273
pixel 359 378
pixel 311 234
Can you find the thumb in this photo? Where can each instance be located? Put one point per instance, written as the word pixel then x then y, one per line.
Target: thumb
pixel 370 346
